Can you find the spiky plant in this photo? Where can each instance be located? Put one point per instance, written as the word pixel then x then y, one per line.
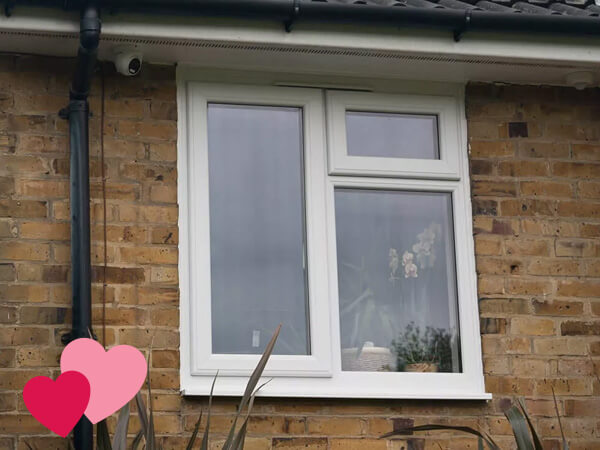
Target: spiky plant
pixel 526 437
pixel 146 437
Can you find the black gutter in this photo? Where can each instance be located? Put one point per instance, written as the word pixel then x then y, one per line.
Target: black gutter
pixel 77 112
pixel 289 12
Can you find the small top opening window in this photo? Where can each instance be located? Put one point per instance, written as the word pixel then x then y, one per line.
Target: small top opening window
pixel 416 136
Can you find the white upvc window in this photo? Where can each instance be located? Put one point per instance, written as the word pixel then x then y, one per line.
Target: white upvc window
pixel 344 216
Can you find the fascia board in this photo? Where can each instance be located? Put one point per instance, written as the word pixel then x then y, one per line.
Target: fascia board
pixel 544 49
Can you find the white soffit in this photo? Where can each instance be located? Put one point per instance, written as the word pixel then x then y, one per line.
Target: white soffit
pixel 326 49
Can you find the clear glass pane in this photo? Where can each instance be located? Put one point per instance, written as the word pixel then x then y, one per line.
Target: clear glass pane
pixel 258 275
pixel 397 281
pixel 391 135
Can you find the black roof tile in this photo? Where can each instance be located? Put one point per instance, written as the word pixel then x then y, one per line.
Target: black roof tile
pixel 494 6
pixel 530 8
pixel 457 4
pixel 570 10
pixel 422 4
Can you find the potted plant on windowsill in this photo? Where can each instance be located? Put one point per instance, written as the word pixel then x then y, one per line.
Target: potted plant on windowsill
pixel 423 351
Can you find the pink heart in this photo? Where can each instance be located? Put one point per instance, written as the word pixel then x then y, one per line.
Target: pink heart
pixel 115 376
pixel 58 405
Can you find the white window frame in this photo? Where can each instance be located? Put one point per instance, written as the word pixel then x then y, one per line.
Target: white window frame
pixel 320 374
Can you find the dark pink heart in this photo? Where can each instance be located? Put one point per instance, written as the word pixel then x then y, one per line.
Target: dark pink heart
pixel 58 405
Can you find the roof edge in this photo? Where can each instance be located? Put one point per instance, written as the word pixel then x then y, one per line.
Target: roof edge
pixel 291 12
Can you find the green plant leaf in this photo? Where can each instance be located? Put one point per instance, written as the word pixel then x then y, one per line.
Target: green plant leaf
pixel 120 436
pixel 252 382
pixel 192 440
pixel 536 439
pixel 137 440
pixel 150 437
pixel 102 437
pixel 147 420
pixel 519 428
pixel 434 427
pixel 204 445
pixel 242 433
pixel 488 439
pixel 238 442
pixel 562 433
pixel 141 407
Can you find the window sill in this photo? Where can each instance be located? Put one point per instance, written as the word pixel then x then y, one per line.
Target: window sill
pixel 404 386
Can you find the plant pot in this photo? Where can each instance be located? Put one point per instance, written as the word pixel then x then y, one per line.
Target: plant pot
pixel 369 359
pixel 421 367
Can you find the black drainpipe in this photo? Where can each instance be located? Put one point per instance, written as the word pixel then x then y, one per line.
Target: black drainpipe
pixel 77 113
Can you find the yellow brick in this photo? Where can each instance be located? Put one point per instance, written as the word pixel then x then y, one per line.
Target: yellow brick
pixel 148 214
pixel 299 443
pixel 357 444
pixel 529 368
pixel 43 188
pixel 120 148
pixel 46 231
pixel 532 326
pixel 148 255
pixel 23 293
pixel 335 426
pixel 165 317
pixel 162 193
pixel 24 251
pixel 164 275
pixel 145 130
pixel 125 108
pixel 163 152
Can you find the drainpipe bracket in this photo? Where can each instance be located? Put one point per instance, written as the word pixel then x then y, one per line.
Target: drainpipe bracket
pixel 74 105
pixel 9 7
pixel 64 113
pixel 70 336
pixel 67 338
pixel 289 24
pixel 458 33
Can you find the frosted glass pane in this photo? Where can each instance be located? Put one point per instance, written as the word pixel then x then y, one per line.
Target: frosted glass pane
pixel 390 135
pixel 258 276
pixel 397 281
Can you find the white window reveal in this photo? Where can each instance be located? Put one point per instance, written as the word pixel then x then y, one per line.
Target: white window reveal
pixel 345 217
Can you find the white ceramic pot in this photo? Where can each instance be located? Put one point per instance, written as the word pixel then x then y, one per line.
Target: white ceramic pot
pixel 369 359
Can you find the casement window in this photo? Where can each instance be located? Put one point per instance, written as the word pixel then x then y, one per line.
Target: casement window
pixel 345 217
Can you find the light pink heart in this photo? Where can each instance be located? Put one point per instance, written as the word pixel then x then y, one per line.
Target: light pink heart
pixel 115 376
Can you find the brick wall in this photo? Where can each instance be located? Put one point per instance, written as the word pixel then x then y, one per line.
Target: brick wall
pixel 535 175
pixel 536 193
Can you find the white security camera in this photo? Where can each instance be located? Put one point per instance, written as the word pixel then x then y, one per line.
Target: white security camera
pixel 128 61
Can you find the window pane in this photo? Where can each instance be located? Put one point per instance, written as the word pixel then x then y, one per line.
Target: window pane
pixel 258 276
pixel 391 135
pixel 397 281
